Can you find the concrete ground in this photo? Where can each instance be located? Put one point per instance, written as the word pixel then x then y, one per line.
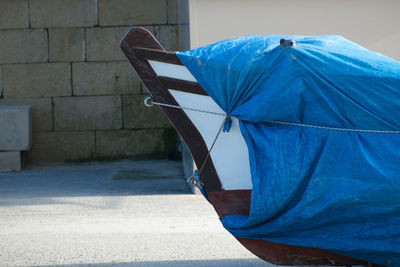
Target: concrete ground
pixel 126 213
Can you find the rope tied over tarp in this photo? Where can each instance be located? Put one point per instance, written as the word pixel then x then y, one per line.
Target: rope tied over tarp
pixel 228 120
pixel 196 180
pixel 227 124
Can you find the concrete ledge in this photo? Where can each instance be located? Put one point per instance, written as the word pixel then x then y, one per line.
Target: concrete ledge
pixel 188 165
pixel 16 128
pixel 10 161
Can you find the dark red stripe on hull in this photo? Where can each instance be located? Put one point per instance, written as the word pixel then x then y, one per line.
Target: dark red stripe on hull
pixel 230 202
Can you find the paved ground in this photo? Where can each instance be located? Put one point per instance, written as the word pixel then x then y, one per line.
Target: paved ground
pixel 127 213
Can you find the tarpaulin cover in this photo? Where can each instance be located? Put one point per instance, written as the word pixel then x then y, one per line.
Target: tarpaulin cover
pixel 332 188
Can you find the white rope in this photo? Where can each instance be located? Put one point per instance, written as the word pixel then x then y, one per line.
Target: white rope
pixel 335 128
pixel 193 109
pixel 192 179
pixel 277 122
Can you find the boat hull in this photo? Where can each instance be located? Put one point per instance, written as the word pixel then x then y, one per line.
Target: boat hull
pixel 141 48
pixel 228 202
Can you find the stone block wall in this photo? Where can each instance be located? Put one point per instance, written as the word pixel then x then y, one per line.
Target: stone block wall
pixel 62 57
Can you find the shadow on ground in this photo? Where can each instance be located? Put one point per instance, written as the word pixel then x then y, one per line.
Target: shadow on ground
pixel 125 213
pixel 95 179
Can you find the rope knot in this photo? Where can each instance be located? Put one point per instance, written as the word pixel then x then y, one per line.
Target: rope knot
pixel 227 124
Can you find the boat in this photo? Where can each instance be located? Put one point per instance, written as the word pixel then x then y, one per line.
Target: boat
pixel 222 159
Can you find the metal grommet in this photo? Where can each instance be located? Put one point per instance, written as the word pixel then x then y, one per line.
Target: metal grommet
pixel 287 43
pixel 148 102
pixel 191 180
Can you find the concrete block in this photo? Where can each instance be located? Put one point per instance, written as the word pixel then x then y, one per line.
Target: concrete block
pixel 178 12
pixel 67 44
pixel 104 78
pixel 173 12
pixel 168 36
pixel 10 161
pixel 13 14
pixel 42 111
pixel 37 80
pixel 137 115
pixel 171 143
pixel 61 146
pixel 102 44
pixel 15 123
pixel 23 46
pixel 1 80
pixel 184 37
pixel 61 13
pixel 187 159
pixel 87 113
pixel 130 143
pixel 127 12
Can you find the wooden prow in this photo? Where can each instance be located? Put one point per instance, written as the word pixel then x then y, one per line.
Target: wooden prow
pixel 140 38
pixel 139 45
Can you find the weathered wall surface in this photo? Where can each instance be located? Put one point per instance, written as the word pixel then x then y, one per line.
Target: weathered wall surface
pixel 62 57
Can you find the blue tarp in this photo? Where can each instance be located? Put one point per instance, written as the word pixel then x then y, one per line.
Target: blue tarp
pixel 334 188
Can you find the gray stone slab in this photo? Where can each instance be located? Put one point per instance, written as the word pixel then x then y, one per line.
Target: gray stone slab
pixel 127 12
pixel 61 13
pixel 104 78
pixel 10 161
pixel 61 146
pixel 36 80
pixel 87 113
pixel 130 143
pixel 137 115
pixel 15 123
pixel 67 44
pixel 184 37
pixel 13 14
pixel 1 80
pixel 168 36
pixel 23 46
pixel 173 12
pixel 171 143
pixel 178 12
pixel 102 44
pixel 89 179
pixel 42 111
